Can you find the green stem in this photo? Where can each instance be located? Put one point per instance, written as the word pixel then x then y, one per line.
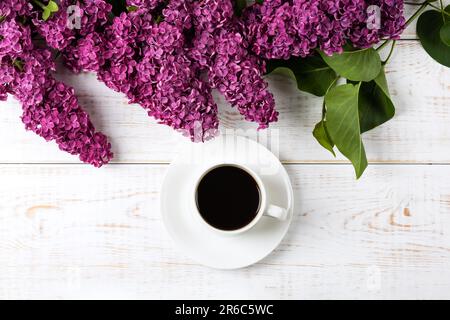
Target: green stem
pixel 417 13
pixel 384 44
pixel 333 83
pixel 439 9
pixel 442 10
pixel 390 53
pixel 422 7
pixel 431 5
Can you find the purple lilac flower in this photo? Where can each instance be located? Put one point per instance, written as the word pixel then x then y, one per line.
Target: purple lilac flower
pixel 15 39
pixel 157 54
pixel 147 62
pixel 270 30
pixel 280 29
pixel 392 18
pixel 144 4
pixel 55 30
pixel 120 45
pixel 7 76
pixel 50 108
pixel 237 75
pixel 10 9
pixel 178 13
pixel 12 46
pixel 210 15
pixel 392 23
pixel 87 54
pixel 176 97
pixel 58 30
pixel 3 93
pixel 233 70
pixel 167 55
pixel 94 15
pixel 60 118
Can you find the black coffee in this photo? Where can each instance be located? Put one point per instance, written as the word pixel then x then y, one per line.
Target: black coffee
pixel 228 198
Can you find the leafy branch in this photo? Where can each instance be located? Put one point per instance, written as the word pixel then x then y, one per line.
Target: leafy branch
pixel 47 9
pixel 363 102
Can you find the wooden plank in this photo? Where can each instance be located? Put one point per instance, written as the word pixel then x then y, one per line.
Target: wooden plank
pixel 418 133
pixel 71 231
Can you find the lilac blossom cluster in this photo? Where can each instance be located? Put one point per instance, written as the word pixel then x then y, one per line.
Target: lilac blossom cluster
pixel 279 29
pixel 167 56
pixel 50 107
pixel 220 48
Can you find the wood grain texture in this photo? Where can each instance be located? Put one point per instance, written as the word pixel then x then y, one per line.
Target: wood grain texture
pixel 419 132
pixel 71 231
pixel 410 32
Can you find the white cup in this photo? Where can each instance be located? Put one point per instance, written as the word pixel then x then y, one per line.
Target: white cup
pixel 265 208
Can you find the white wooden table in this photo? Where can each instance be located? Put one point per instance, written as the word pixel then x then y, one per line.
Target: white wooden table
pixel 68 230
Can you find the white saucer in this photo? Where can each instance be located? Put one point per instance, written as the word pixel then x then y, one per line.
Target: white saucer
pixel 200 242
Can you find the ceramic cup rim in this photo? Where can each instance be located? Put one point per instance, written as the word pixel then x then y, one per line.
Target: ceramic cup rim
pixel 262 200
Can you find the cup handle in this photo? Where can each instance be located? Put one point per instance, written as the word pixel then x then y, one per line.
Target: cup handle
pixel 276 212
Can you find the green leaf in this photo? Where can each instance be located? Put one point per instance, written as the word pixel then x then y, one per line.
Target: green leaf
pixel 429 26
pixel 52 6
pixel 48 10
pixel 445 33
pixel 374 104
pixel 46 14
pixel 356 65
pixel 312 74
pixel 321 134
pixel 343 124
